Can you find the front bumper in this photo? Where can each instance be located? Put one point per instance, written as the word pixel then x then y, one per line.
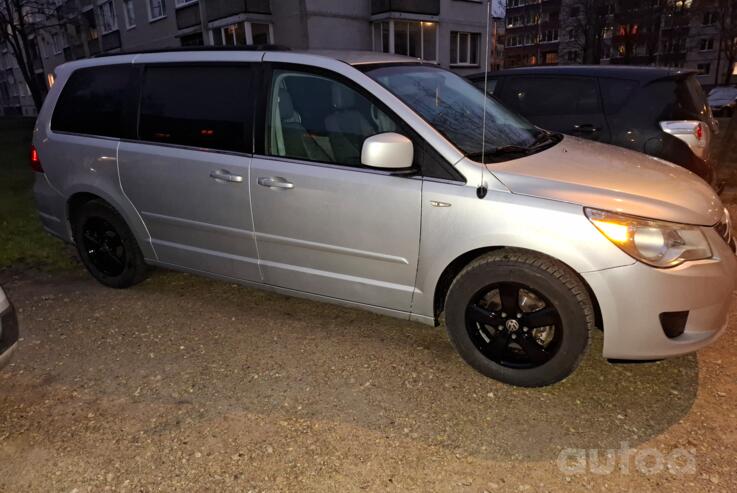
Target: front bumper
pixel 632 298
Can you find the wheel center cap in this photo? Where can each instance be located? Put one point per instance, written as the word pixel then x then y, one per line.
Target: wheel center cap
pixel 512 325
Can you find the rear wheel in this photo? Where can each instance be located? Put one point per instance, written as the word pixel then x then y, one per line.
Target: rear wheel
pixel 519 317
pixel 106 246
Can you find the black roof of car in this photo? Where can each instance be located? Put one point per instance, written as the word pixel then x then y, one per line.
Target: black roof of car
pixel 642 74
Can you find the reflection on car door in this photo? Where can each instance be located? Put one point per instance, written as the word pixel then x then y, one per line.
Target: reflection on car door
pixel 571 105
pixel 324 224
pixel 187 175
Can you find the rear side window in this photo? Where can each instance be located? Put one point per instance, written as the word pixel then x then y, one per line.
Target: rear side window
pixel 550 96
pixel 92 101
pixel 675 99
pixel 199 106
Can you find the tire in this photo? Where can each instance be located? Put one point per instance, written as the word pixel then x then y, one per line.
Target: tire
pixel 500 345
pixel 106 246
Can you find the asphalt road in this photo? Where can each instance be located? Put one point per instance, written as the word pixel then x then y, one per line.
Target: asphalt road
pixel 183 383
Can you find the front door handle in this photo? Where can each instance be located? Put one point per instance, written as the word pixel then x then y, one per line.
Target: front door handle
pixel 225 175
pixel 275 183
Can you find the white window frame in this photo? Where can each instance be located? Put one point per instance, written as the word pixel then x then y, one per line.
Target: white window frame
pixel 706 42
pixel 114 25
pixel 126 14
pixel 57 47
pixel 392 43
pixel 220 31
pixel 183 3
pixel 163 10
pixel 469 36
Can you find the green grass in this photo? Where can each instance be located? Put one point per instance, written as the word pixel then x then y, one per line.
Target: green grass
pixel 23 242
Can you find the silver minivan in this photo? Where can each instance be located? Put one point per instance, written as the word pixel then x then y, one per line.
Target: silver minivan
pixel 382 183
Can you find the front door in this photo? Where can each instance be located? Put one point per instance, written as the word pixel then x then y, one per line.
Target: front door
pixel 324 223
pixel 187 174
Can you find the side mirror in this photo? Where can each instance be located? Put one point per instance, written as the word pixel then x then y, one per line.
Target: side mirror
pixel 387 151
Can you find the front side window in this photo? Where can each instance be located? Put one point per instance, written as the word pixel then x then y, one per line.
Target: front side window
pixel 92 101
pixel 316 118
pixel 208 107
pixel 454 108
pixel 550 96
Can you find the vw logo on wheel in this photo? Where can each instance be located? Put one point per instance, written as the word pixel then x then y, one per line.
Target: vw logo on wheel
pixel 512 325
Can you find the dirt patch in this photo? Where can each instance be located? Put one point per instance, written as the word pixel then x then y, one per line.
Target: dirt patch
pixel 185 383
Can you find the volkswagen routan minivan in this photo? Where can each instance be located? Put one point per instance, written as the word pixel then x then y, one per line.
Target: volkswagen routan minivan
pixel 381 183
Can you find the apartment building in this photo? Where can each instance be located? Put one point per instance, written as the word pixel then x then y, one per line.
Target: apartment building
pixel 532 30
pixel 447 32
pixel 668 33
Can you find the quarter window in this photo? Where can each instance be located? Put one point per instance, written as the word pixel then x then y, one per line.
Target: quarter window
pixel 314 118
pixel 92 101
pixel 209 107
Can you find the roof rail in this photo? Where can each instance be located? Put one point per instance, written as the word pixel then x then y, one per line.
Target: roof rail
pixel 261 47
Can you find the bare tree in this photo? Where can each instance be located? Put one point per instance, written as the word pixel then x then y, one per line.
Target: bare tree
pixel 22 25
pixel 585 26
pixel 727 36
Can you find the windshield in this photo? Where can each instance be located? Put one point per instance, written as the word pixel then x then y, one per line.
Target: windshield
pixel 454 107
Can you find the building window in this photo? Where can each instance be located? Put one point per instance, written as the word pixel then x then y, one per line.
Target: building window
pixel 464 48
pixel 107 16
pixel 181 3
pixel 551 58
pixel 130 14
pixel 549 36
pixel 410 38
pixel 156 10
pixel 243 33
pixel 194 39
pixel 704 68
pixel 706 44
pixel 709 18
pixel 56 43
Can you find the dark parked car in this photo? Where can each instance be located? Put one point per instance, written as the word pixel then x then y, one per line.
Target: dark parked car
pixel 658 111
pixel 8 329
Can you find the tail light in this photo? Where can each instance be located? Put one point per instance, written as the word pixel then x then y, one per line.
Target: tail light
pixel 693 132
pixel 35 162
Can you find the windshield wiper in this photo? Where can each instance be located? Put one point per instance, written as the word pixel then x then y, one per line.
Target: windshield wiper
pixel 543 140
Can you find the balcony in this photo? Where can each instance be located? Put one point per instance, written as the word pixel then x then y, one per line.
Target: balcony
pixel 424 7
pixel 217 9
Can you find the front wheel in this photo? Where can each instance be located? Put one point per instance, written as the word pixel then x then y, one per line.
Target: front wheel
pixel 519 317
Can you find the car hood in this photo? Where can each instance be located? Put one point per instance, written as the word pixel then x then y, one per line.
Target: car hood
pixel 612 178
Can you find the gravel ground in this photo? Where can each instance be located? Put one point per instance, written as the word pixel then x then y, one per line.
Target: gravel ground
pixel 183 383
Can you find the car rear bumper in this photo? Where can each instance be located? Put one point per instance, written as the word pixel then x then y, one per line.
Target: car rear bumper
pixel 632 299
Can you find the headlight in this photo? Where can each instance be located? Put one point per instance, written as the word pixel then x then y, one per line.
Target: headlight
pixel 656 243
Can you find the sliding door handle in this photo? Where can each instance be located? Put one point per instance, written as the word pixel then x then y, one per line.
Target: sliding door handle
pixel 275 183
pixel 225 175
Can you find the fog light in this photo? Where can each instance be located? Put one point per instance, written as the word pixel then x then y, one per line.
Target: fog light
pixel 673 323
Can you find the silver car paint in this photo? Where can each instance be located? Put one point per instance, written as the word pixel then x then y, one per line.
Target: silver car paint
pixel 380 242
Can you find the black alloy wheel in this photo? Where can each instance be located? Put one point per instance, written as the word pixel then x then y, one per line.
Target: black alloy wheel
pixel 513 325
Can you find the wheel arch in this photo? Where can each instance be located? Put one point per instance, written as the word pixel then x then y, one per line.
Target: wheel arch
pixel 82 195
pixel 457 265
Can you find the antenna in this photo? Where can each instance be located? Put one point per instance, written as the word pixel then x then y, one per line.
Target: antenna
pixel 481 190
